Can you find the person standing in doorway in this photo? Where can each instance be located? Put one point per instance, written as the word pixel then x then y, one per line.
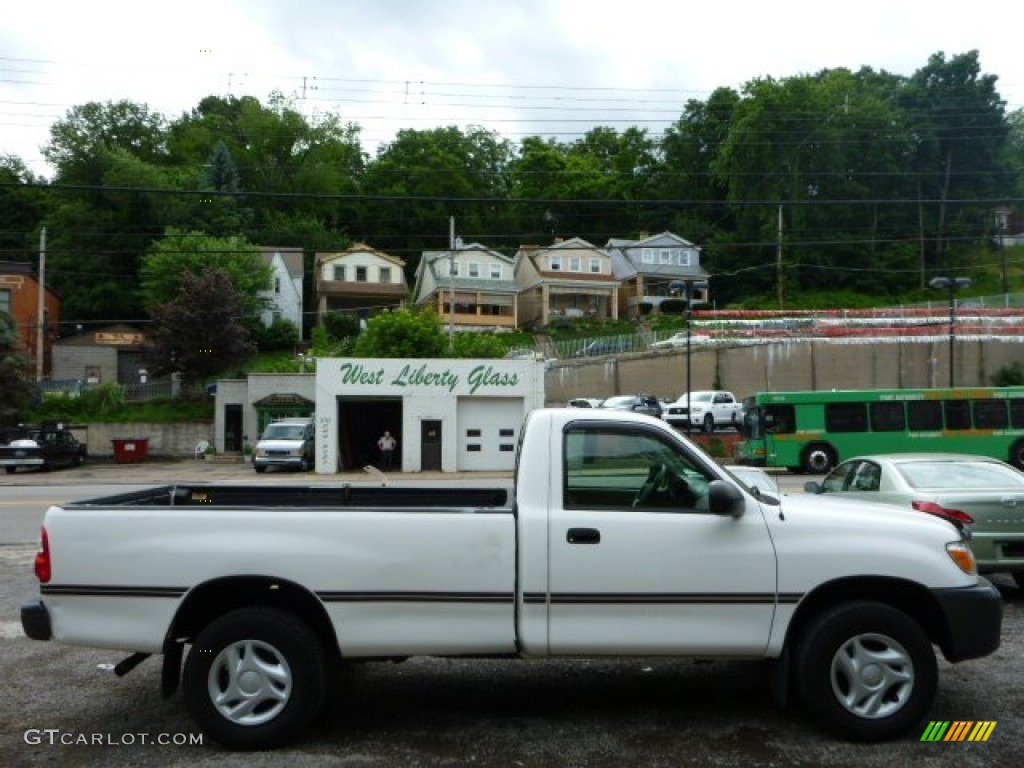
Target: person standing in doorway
pixel 387 449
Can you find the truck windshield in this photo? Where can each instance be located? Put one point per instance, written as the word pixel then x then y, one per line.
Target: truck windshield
pixel 284 432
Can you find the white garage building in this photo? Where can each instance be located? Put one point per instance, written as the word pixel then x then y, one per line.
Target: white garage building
pixel 448 415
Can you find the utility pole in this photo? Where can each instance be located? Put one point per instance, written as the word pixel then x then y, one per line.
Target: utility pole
pixel 41 308
pixel 451 282
pixel 778 262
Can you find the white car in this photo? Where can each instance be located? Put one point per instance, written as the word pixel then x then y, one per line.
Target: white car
pixel 678 340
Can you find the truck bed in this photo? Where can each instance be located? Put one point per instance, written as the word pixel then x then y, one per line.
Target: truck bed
pixel 304 497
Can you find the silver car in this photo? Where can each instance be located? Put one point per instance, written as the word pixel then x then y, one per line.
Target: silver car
pixel 985 495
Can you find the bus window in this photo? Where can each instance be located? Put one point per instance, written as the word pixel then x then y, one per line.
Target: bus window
pixel 846 417
pixel 924 415
pixel 990 414
pixel 887 417
pixel 1017 413
pixel 958 414
pixel 779 419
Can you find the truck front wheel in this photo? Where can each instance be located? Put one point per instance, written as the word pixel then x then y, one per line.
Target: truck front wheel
pixel 709 423
pixel 255 678
pixel 866 671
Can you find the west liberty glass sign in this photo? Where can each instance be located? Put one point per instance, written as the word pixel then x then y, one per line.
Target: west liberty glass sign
pixel 425 377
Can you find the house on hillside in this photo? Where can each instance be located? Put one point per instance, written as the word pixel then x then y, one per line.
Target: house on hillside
pixel 284 299
pixel 360 279
pixel 648 267
pixel 19 298
pixel 478 281
pixel 569 278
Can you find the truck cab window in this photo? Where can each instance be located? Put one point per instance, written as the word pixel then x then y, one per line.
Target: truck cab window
pixel 627 469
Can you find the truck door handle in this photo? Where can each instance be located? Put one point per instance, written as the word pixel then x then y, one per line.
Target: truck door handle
pixel 583 536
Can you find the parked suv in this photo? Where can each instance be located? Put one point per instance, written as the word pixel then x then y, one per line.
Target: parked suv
pixel 285 443
pixel 648 404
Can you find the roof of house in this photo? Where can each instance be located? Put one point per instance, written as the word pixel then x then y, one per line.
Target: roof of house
pixel 292 258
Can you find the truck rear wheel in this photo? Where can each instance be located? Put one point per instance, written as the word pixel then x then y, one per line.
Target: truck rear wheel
pixel 866 671
pixel 255 678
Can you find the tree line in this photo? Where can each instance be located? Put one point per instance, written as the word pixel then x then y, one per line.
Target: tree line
pixel 864 179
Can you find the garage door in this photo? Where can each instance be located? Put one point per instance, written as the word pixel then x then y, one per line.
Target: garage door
pixel 488 429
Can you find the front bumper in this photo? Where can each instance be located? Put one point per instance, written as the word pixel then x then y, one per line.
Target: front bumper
pixel 35 620
pixel 972 620
pixel 278 461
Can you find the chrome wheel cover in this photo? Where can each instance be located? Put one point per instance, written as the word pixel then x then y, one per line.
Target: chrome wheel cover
pixel 872 676
pixel 249 683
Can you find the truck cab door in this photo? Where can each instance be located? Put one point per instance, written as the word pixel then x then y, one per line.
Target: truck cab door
pixel 637 562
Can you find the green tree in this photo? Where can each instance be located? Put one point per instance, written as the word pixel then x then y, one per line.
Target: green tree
pixel 445 164
pixel 77 139
pixel 22 208
pixel 959 131
pixel 179 254
pixel 199 332
pixel 402 332
pixel 15 374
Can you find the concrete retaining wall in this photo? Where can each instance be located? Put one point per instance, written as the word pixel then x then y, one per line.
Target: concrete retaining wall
pixel 784 366
pixel 178 439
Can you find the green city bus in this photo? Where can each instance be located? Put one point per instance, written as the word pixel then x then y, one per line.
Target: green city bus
pixel 813 431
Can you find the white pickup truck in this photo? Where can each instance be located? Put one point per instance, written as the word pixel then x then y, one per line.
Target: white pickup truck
pixel 622 538
pixel 705 410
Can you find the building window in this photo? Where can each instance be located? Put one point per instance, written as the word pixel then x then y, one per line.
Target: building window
pixel 360 274
pixel 556 263
pixel 474 269
pixel 385 274
pixel 5 300
pixel 647 256
pixel 495 271
pixel 575 264
pixel 595 266
pixel 454 266
pixel 277 285
pixel 339 273
pixel 665 257
pixel 685 258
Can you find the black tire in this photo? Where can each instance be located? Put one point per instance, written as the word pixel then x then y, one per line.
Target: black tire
pixel 259 468
pixel 1017 454
pixel 818 459
pixel 866 671
pixel 304 465
pixel 1018 578
pixel 287 688
pixel 10 470
pixel 709 423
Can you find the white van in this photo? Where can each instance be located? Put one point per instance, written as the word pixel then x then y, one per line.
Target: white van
pixel 286 443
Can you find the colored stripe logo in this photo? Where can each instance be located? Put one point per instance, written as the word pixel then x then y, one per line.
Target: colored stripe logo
pixel 958 730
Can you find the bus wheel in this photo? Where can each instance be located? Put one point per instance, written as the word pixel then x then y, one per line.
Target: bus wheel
pixel 817 459
pixel 1017 454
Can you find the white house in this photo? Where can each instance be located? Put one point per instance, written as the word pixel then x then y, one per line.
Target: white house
pixel 285 295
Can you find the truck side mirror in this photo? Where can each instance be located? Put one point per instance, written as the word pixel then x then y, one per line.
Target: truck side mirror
pixel 812 486
pixel 725 499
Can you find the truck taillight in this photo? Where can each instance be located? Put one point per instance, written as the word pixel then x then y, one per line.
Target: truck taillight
pixel 955 516
pixel 43 558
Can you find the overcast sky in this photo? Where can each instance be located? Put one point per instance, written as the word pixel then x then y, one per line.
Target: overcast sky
pixel 519 67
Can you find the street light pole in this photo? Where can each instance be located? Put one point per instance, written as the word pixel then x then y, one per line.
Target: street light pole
pixel 686 286
pixel 951 284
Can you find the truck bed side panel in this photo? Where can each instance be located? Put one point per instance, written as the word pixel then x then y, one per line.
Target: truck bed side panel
pixel 394 582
